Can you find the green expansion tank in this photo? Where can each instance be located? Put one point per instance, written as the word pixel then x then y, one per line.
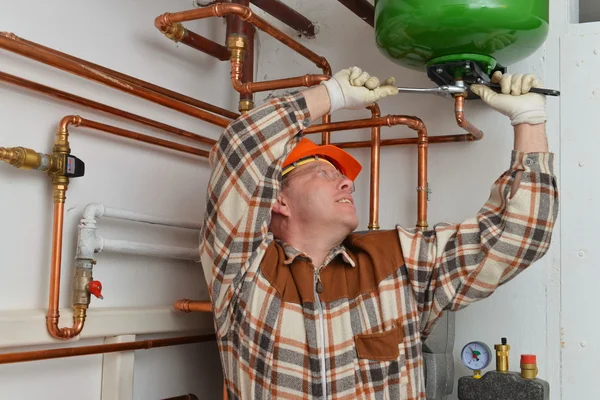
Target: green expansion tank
pixel 493 34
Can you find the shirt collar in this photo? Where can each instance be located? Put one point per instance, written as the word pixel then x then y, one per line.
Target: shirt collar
pixel 291 253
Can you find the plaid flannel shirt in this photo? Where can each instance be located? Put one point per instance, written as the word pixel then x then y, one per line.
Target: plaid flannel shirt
pixel 382 291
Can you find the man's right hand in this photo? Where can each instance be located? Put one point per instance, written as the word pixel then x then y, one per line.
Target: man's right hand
pixel 515 101
pixel 355 89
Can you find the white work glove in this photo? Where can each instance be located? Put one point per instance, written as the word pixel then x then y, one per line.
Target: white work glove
pixel 354 89
pixel 515 101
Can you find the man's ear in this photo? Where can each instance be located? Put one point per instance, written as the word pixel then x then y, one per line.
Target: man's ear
pixel 281 206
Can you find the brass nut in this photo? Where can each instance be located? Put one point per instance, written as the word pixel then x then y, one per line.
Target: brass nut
pixel 175 32
pixel 237 42
pixel 245 105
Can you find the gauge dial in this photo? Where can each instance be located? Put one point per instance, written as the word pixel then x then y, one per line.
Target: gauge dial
pixel 476 356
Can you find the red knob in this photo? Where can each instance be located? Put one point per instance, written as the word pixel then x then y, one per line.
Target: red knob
pixel 95 288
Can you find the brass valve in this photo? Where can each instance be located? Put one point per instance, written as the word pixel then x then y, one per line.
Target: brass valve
pixel 24 158
pixel 502 353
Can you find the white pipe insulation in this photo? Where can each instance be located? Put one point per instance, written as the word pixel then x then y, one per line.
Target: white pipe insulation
pixel 89 243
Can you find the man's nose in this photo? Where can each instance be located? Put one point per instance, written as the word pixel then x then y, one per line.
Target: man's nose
pixel 346 184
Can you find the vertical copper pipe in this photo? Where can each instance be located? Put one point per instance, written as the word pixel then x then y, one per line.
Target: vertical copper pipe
pixel 59 94
pixel 237 26
pixel 375 164
pixel 224 389
pixel 423 185
pixel 287 15
pixel 95 75
pixel 53 314
pixel 119 77
pixel 459 111
pixel 9 358
pixel 413 123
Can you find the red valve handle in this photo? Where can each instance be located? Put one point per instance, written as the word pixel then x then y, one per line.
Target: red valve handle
pixel 95 288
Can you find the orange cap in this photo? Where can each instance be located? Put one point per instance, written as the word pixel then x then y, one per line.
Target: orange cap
pixel 528 359
pixel 340 159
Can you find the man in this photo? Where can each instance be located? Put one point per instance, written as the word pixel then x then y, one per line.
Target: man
pixel 306 310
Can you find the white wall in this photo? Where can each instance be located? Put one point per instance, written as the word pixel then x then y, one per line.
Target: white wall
pixel 119 173
pixel 527 310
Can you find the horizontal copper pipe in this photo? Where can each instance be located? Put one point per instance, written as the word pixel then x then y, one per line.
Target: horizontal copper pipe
pixel 405 141
pixel 139 137
pixel 389 120
pixel 26 356
pixel 163 22
pixel 187 305
pixel 59 94
pixel 205 45
pixel 459 111
pixel 287 15
pixel 11 44
pixel 118 76
pixel 253 87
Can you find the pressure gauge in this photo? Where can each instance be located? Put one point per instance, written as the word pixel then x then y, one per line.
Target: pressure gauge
pixel 476 356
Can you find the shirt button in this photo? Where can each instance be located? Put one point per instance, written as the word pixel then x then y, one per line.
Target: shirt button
pixel 528 161
pixel 306 122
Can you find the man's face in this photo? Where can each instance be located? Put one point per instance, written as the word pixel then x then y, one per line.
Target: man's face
pixel 318 194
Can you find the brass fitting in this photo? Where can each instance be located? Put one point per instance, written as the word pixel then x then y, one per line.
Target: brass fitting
pixel 59 188
pixel 529 368
pixel 21 157
pixel 245 105
pixel 176 32
pixel 81 296
pixel 237 44
pixel 373 227
pixel 502 353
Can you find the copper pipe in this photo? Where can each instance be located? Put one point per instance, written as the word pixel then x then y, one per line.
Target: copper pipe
pixel 59 94
pixel 326 135
pixel 413 123
pixel 237 26
pixel 141 137
pixel 60 184
pixel 404 141
pixel 362 8
pixel 26 356
pixel 53 315
pixel 253 87
pixel 163 22
pixel 118 76
pixel 287 15
pixel 205 45
pixel 9 43
pixel 389 120
pixel 375 164
pixel 459 111
pixel 224 389
pixel 423 183
pixel 187 305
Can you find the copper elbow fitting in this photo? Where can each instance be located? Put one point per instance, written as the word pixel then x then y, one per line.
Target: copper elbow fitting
pixel 79 315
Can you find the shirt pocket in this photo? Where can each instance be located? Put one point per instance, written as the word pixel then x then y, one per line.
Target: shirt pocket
pixel 381 364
